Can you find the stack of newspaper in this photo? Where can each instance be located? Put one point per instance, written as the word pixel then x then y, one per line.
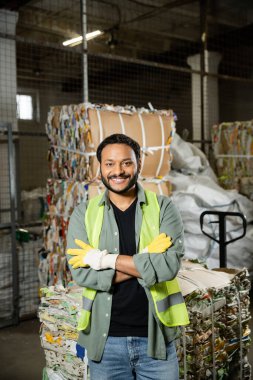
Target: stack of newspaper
pixel 216 342
pixel 58 312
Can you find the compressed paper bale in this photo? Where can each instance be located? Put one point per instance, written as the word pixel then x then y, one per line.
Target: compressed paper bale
pixel 213 336
pixel 233 150
pixel 163 187
pixel 75 132
pixel 58 312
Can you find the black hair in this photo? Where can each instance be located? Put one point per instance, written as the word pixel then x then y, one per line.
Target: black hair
pixel 119 138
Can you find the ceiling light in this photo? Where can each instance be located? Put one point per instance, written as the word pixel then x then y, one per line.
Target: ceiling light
pixel 77 40
pixel 91 35
pixel 73 41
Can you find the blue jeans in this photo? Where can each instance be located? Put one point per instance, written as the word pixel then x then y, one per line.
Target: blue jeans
pixel 126 359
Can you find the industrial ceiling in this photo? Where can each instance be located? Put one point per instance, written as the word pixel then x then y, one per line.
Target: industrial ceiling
pixel 133 28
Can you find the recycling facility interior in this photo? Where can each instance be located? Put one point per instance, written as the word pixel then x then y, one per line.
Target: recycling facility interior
pixel 193 57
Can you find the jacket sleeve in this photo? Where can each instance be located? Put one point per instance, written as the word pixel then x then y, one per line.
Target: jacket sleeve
pixel 86 277
pixel 159 267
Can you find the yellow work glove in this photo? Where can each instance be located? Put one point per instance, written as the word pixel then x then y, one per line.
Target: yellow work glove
pixel 159 245
pixel 79 254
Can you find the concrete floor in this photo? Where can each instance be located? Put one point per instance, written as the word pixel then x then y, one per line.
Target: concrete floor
pixel 22 357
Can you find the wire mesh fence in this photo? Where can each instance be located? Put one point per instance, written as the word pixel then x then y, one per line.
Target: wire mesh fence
pixel 194 57
pixel 24 303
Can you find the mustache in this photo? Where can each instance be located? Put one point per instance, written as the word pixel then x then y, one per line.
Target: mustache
pixel 118 176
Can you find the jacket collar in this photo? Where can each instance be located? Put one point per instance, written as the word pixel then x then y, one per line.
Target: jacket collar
pixel 140 195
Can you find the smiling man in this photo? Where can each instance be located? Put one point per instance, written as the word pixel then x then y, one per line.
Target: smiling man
pixel 124 249
pixel 120 168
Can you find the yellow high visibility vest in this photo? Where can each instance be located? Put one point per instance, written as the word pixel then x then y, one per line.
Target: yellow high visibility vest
pixel 167 297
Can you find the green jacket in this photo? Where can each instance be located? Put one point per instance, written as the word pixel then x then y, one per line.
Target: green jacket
pixel 152 267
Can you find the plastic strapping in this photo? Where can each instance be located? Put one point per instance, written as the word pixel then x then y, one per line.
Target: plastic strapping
pixel 234 156
pixel 73 150
pixel 160 189
pixel 213 339
pixel 85 360
pixel 143 138
pixel 184 352
pixel 154 148
pixel 122 124
pixel 240 332
pixel 163 142
pixel 144 149
pixel 101 135
pixel 85 372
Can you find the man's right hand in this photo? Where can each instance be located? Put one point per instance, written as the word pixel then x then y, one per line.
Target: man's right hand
pixel 159 245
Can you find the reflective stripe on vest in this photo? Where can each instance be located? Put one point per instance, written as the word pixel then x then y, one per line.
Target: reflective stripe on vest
pixel 169 301
pixel 167 297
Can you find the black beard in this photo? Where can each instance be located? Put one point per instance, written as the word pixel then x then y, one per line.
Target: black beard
pixel 131 183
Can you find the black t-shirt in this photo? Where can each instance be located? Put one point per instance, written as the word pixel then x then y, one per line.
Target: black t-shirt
pixel 129 316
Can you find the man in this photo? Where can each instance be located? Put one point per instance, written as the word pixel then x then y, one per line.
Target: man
pixel 131 302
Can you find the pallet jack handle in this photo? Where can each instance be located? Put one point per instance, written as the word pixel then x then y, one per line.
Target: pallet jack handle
pixel 222 215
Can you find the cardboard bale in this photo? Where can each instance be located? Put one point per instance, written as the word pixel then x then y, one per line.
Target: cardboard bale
pixel 150 130
pixel 75 132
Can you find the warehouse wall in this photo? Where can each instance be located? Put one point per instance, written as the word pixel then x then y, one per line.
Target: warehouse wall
pixel 33 164
pixel 241 96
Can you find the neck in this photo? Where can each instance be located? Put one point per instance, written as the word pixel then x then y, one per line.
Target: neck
pixel 123 201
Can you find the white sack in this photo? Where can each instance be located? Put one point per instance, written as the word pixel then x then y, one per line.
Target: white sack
pixel 195 190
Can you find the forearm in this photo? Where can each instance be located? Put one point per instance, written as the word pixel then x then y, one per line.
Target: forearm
pixel 89 278
pixel 125 264
pixel 121 277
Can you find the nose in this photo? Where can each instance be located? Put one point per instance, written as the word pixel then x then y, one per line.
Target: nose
pixel 118 169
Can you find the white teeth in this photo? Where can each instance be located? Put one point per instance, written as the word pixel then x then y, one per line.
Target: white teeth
pixel 118 180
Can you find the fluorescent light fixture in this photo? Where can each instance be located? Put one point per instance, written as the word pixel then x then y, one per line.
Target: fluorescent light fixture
pixel 73 41
pixel 91 35
pixel 77 40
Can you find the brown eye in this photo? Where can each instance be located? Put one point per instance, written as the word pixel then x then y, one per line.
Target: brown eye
pixel 127 163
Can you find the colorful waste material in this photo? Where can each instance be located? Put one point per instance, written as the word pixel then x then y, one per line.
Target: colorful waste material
pixel 233 151
pixel 216 343
pixel 58 313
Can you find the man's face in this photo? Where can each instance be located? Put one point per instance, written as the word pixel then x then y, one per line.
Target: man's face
pixel 119 168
